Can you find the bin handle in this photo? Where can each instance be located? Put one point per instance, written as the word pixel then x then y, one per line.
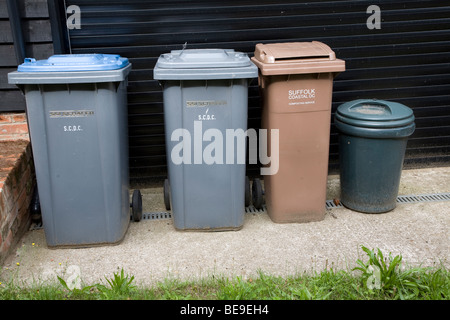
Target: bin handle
pixel 184 47
pixel 373 102
pixel 261 82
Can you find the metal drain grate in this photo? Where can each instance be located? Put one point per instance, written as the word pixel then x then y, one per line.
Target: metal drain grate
pixel 156 215
pixel 329 204
pixel 432 197
pixel 252 209
pixel 168 215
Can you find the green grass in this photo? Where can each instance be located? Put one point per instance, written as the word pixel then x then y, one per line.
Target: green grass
pixel 379 278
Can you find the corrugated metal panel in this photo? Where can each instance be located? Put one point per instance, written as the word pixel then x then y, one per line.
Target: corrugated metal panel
pixel 407 60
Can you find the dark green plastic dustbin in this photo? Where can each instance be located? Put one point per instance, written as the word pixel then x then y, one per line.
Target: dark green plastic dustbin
pixel 372 141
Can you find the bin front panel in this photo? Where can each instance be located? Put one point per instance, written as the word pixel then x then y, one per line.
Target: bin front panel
pixel 205 196
pixel 299 93
pixel 299 106
pixel 297 192
pixel 79 138
pixel 370 172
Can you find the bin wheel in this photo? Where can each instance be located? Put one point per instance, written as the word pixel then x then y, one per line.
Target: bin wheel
pixel 167 194
pixel 136 205
pixel 257 193
pixel 248 195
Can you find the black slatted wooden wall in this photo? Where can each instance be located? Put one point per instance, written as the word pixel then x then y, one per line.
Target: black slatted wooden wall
pixel 407 60
pixel 37 42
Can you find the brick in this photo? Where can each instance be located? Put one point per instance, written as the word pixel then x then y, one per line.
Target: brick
pixel 12 214
pixel 15 224
pixel 28 155
pixel 13 128
pixel 4 208
pixel 25 176
pixel 16 185
pixel 7 137
pixel 4 229
pixel 7 169
pixel 15 192
pixel 5 118
pixel 13 117
pixel 17 136
pixel 8 192
pixel 23 210
pixel 24 217
pixel 8 241
pixel 2 185
pixel 16 174
pixel 20 117
pixel 21 201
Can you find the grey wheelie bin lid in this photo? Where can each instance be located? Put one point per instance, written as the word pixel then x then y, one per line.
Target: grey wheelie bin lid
pixel 375 118
pixel 204 64
pixel 72 68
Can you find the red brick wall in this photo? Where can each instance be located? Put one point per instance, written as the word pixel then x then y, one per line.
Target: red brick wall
pixel 13 126
pixel 17 180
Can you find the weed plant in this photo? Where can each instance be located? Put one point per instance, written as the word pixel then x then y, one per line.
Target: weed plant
pixel 381 277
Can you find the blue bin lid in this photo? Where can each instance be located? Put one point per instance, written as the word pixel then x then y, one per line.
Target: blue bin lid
pixel 74 62
pixel 374 113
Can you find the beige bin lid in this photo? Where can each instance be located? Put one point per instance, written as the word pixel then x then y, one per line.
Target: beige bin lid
pixel 296 58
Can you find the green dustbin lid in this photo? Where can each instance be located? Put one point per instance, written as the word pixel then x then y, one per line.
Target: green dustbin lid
pixel 373 113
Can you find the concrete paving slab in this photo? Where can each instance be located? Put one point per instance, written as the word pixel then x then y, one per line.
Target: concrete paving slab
pixel 153 250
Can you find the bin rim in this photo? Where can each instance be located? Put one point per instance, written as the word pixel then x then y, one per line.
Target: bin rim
pixel 116 75
pixel 377 133
pixel 205 74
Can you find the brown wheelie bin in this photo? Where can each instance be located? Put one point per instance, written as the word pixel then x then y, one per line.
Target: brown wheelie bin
pixel 296 83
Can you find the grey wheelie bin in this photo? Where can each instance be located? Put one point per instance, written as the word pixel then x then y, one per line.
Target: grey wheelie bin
pixel 205 94
pixel 77 118
pixel 372 141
